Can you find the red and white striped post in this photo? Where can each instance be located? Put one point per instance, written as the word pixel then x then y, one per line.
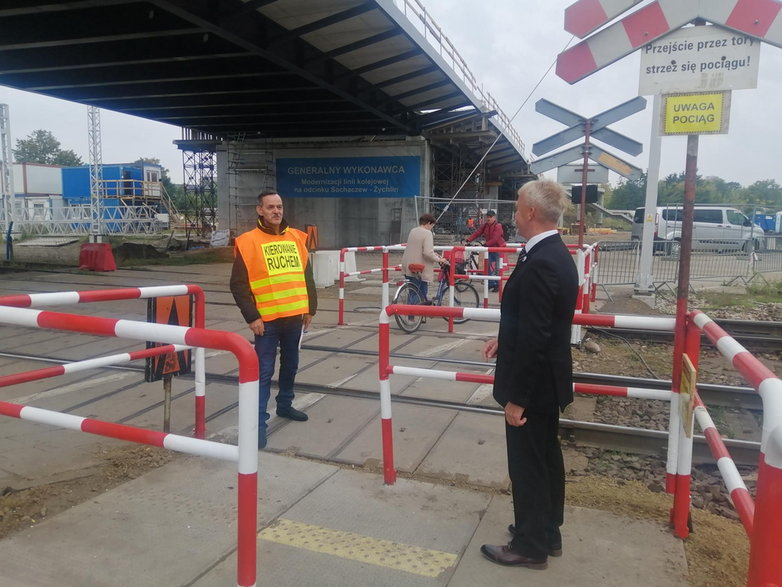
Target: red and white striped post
pixel 387 431
pixel 247 455
pixel 766 538
pixel 683 477
pixel 341 317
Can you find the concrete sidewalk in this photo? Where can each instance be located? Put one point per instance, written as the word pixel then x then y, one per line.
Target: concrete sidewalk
pixel 319 525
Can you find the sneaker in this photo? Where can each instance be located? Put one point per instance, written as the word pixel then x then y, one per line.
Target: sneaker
pixel 292 414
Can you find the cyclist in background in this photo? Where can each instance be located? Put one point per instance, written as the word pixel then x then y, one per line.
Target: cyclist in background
pixel 420 251
pixel 492 233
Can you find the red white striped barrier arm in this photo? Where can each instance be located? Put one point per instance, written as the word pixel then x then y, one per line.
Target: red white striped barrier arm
pixel 585 388
pixel 742 500
pixel 625 321
pixel 617 391
pixel 622 38
pixel 184 444
pixel 756 373
pixel 585 16
pixel 483 314
pixel 440 374
pixel 766 537
pixel 64 298
pixel 75 367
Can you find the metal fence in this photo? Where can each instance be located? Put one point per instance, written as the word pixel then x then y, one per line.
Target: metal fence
pixel 76 220
pixel 462 216
pixel 618 262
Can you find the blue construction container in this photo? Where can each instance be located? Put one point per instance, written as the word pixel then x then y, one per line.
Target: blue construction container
pixel 122 180
pixel 765 221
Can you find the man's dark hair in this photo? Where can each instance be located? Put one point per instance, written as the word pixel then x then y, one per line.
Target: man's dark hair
pixel 265 193
pixel 427 219
pixel 491 213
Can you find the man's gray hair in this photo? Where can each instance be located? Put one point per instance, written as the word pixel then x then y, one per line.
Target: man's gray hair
pixel 548 197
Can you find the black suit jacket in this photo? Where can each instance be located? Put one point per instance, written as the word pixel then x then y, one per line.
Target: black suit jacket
pixel 534 364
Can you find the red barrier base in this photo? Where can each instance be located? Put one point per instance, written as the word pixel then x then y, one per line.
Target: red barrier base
pixel 97 257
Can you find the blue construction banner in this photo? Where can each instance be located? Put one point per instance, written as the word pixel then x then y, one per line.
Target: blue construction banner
pixel 349 177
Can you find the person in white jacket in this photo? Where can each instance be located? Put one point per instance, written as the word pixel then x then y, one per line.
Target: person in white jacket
pixel 420 251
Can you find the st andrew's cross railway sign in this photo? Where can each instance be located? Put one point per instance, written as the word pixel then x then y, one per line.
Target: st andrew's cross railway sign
pixel 578 126
pixel 761 19
pixel 581 126
pixel 596 154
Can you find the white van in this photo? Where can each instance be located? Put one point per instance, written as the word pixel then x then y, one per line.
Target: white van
pixel 714 227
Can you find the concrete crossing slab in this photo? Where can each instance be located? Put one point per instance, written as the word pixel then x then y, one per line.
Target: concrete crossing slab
pixel 599 548
pixel 473 438
pixel 416 429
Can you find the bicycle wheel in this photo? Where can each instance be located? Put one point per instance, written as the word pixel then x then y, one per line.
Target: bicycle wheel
pixel 408 294
pixel 466 296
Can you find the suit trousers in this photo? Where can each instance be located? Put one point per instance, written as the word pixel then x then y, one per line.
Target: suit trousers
pixel 537 474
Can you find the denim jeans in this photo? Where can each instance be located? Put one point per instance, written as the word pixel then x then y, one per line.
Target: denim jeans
pixel 423 287
pixel 494 264
pixel 284 333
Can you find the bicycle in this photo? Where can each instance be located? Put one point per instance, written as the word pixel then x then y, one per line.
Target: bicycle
pixel 470 265
pixel 465 295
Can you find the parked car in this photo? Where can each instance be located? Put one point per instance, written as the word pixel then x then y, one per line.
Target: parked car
pixel 716 228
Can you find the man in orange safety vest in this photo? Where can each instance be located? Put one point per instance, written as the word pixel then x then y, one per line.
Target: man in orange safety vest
pixel 273 286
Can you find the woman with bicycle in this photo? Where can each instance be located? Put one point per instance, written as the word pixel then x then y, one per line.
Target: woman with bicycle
pixel 421 255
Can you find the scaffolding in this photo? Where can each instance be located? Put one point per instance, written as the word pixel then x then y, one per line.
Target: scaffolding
pixel 6 173
pixel 251 170
pixel 200 187
pixel 96 173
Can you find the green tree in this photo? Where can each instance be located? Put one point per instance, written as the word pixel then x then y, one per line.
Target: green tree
pixel 766 193
pixel 41 146
pixel 630 194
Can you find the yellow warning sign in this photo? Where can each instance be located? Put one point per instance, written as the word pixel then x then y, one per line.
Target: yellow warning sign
pixel 687 394
pixel 696 114
pixel 282 257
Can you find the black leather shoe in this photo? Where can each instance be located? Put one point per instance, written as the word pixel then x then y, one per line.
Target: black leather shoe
pixel 293 414
pixel 261 439
pixel 505 555
pixel 553 549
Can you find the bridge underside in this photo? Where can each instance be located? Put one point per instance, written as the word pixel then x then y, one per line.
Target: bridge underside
pixel 239 70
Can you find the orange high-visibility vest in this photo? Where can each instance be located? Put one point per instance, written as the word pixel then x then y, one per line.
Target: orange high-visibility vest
pixel 275 267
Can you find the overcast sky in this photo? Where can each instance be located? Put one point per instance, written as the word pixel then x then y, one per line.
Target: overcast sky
pixel 509 45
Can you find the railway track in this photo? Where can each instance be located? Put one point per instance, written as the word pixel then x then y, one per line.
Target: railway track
pixel 579 433
pixel 754 335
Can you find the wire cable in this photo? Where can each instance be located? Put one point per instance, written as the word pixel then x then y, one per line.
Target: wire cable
pixel 502 133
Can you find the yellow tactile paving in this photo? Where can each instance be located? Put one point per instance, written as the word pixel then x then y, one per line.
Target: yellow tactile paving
pixel 383 553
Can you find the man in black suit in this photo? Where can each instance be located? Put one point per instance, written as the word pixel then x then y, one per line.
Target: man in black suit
pixel 533 376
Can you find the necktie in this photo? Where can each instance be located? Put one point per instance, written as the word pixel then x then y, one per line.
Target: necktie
pixel 522 254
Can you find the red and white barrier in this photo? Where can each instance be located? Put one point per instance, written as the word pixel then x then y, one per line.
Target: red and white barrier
pixel 75 367
pixel 488 315
pixel 64 298
pixel 766 536
pixel 737 490
pixel 343 274
pixel 246 451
